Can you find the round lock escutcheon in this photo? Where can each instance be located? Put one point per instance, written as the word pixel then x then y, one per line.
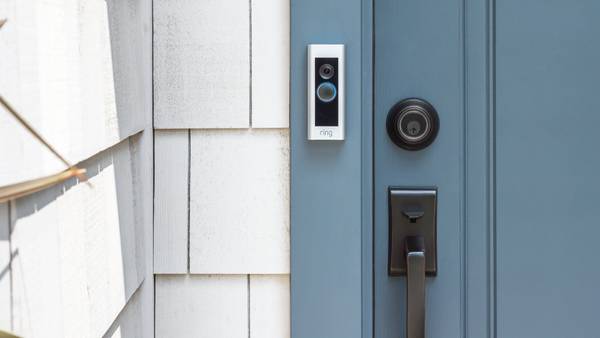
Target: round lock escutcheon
pixel 412 124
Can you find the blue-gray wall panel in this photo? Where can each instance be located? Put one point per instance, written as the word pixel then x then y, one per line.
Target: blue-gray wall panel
pixel 326 183
pixel 547 118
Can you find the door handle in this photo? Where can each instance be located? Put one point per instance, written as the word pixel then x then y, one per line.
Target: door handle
pixel 413 248
pixel 415 286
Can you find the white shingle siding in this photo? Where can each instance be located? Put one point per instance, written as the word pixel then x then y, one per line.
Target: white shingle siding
pixel 269 306
pixel 171 201
pixel 5 273
pixel 202 64
pixel 239 201
pixel 202 306
pixel 56 66
pixel 222 74
pixel 196 306
pixel 270 63
pixel 78 254
pixel 81 257
pixel 128 323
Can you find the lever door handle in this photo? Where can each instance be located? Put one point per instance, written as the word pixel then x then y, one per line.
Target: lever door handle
pixel 415 286
pixel 412 248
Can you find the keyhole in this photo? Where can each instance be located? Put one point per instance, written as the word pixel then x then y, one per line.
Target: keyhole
pixel 414 128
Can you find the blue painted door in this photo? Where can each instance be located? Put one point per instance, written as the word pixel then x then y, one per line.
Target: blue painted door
pixel 516 163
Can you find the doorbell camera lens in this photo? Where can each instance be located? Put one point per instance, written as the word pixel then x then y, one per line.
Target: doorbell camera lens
pixel 326 71
pixel 326 92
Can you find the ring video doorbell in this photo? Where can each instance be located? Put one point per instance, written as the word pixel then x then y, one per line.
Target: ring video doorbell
pixel 326 92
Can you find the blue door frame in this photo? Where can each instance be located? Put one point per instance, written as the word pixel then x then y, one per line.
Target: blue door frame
pixel 330 218
pixel 331 181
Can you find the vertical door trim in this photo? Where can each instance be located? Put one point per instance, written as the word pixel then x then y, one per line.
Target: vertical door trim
pixel 479 191
pixel 331 181
pixel 367 168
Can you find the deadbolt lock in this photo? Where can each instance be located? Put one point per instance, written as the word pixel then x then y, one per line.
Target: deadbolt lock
pixel 412 124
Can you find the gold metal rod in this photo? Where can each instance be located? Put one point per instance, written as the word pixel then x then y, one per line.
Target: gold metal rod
pixel 4 334
pixel 17 190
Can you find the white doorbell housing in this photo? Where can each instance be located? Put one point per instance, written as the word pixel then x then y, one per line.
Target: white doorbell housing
pixel 326 92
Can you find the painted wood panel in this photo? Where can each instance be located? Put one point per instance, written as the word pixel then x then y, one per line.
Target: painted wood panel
pixel 202 64
pixel 239 201
pixel 434 74
pixel 130 323
pixel 202 306
pixel 130 23
pixel 327 185
pixel 77 255
pixel 56 62
pixel 478 276
pixel 270 63
pixel 141 319
pixel 171 201
pixel 546 165
pixel 5 299
pixel 269 306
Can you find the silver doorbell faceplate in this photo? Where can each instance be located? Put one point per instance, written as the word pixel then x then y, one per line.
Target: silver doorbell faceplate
pixel 326 92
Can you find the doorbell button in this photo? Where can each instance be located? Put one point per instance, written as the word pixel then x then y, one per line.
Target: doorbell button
pixel 325 101
pixel 326 92
pixel 412 124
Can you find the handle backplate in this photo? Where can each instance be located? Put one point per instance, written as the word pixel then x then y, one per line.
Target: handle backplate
pixel 412 214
